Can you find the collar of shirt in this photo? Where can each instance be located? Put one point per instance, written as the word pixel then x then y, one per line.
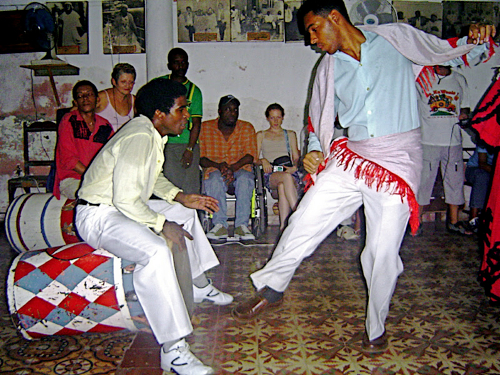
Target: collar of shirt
pixel 368 91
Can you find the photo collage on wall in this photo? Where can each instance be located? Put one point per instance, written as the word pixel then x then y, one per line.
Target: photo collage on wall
pixel 123 24
pixel 72 24
pixel 237 21
pixel 448 19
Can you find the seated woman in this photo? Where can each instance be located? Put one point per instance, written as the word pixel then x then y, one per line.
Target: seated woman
pixel 116 104
pixel 278 143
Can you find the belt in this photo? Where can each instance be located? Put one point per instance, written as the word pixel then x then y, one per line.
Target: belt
pixel 83 202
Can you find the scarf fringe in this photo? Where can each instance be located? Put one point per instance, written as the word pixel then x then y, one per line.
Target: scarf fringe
pixel 374 175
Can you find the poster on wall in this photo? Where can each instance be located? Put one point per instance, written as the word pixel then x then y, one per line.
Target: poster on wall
pixel 71 19
pixel 458 15
pixel 230 20
pixel 257 20
pixel 203 21
pixel 425 16
pixel 123 26
pixel 292 33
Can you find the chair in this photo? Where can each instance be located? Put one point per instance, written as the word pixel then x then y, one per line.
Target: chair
pixel 29 181
pixel 258 213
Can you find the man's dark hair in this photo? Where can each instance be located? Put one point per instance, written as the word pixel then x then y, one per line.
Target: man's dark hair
pixel 176 52
pixel 83 83
pixel 320 8
pixel 274 106
pixel 160 94
pixel 121 68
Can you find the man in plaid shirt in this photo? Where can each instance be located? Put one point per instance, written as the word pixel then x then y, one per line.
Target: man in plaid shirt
pixel 228 148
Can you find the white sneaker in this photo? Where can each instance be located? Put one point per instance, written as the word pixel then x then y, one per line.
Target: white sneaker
pixel 212 294
pixel 218 232
pixel 180 360
pixel 243 233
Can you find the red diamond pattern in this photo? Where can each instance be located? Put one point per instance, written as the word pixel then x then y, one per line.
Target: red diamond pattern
pixel 74 303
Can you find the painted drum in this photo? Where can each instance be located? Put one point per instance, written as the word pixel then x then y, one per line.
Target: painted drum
pixel 39 221
pixel 70 290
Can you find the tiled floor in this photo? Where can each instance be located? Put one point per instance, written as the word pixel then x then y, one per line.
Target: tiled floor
pixel 440 321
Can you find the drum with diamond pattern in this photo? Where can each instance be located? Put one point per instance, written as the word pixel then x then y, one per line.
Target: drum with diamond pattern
pixel 70 290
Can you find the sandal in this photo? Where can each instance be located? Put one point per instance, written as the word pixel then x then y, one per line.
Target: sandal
pixel 459 228
pixel 347 233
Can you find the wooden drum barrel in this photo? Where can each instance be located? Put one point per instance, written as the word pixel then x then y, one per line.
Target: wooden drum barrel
pixel 39 221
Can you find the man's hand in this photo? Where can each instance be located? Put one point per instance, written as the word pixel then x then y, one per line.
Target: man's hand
pixel 226 172
pixel 198 202
pixel 312 160
pixel 187 159
pixel 480 33
pixel 174 232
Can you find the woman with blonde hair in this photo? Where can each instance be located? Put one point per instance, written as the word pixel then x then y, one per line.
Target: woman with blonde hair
pixel 116 104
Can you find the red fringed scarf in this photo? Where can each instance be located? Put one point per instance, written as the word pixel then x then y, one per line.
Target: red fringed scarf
pixel 374 175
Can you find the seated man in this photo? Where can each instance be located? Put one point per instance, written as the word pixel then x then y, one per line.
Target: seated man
pixel 114 212
pixel 80 135
pixel 228 148
pixel 478 174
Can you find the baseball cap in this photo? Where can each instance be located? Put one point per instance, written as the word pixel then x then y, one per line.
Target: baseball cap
pixel 228 99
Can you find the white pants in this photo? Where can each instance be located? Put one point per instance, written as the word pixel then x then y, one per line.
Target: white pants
pixel 155 281
pixel 335 196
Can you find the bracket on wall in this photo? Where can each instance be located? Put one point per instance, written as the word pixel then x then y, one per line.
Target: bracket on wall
pixel 51 70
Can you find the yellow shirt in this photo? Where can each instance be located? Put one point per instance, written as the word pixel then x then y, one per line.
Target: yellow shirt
pixel 128 170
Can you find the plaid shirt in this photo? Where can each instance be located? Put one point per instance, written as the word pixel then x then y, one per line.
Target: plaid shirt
pixel 214 146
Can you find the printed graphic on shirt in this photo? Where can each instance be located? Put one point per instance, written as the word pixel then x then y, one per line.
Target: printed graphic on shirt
pixel 443 103
pixel 81 130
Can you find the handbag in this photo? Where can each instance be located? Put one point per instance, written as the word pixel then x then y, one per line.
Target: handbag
pixel 284 161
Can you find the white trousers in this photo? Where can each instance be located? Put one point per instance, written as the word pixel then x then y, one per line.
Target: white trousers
pixel 335 196
pixel 155 280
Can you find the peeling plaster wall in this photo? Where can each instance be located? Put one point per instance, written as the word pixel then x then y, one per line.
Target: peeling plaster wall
pixel 257 73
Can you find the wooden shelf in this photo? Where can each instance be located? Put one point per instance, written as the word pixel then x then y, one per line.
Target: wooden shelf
pixel 51 70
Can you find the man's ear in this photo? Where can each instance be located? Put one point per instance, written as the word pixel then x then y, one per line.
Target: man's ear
pixel 334 16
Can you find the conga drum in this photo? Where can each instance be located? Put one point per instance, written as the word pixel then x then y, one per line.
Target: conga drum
pixel 39 221
pixel 70 290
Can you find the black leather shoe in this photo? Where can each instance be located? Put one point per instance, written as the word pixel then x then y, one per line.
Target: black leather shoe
pixel 378 345
pixel 255 306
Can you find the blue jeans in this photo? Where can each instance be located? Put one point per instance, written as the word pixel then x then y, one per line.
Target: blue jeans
pixel 480 181
pixel 216 187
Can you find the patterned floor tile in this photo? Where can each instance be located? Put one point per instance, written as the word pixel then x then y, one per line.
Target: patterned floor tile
pixel 440 322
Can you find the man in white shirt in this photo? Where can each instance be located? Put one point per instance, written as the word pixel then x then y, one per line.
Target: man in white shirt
pixel 367 78
pixel 115 212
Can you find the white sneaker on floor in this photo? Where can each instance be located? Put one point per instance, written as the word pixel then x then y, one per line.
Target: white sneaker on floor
pixel 180 360
pixel 243 233
pixel 218 232
pixel 212 294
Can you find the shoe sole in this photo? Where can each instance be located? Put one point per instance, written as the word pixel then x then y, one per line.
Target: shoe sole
pixel 209 300
pixel 266 311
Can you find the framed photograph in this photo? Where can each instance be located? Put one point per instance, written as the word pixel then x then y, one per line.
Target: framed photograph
pixel 257 20
pixel 292 33
pixel 72 25
pixel 203 21
pixel 426 16
pixel 458 15
pixel 123 24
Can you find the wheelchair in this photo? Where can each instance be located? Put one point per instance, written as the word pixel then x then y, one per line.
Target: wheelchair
pixel 258 211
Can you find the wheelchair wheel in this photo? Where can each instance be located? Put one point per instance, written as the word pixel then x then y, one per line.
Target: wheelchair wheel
pixel 205 223
pixel 257 227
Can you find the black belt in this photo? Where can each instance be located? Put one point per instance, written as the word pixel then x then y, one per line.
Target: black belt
pixel 85 203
